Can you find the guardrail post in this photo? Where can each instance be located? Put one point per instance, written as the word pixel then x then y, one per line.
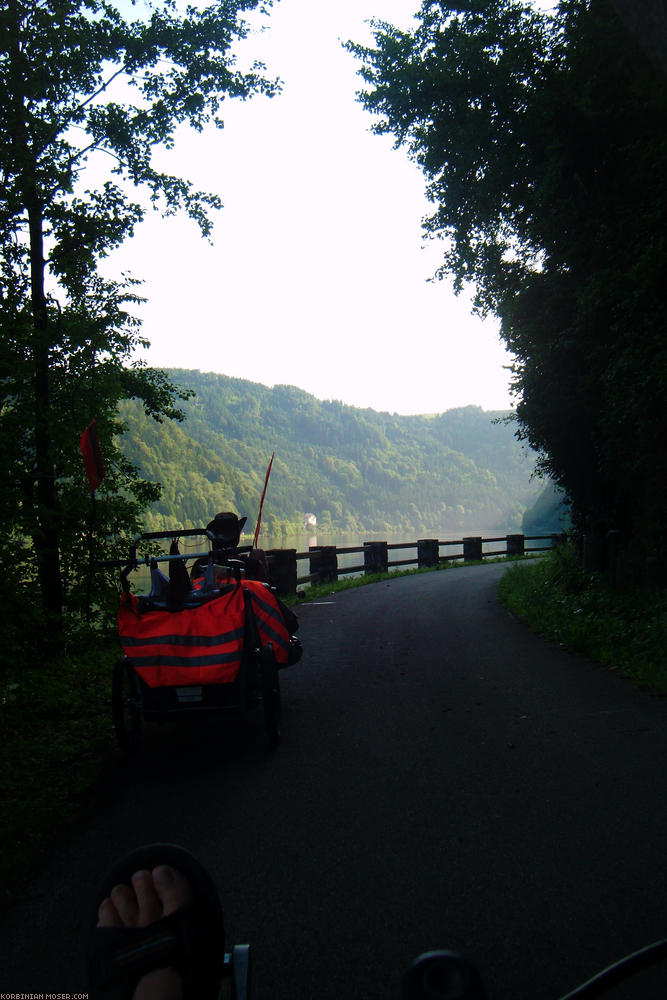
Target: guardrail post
pixel 472 549
pixel 516 545
pixel 428 552
pixel 323 563
pixel 282 570
pixel 376 557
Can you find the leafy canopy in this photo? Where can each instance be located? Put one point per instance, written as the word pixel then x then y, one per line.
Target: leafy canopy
pixel 542 141
pixel 121 89
pixel 87 96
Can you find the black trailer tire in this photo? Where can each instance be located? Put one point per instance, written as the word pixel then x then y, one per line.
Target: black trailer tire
pixel 271 704
pixel 124 708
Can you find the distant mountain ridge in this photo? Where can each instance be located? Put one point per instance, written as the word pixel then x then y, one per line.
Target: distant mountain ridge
pixel 354 469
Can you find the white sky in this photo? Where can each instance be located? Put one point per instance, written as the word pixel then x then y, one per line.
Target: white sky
pixel 317 276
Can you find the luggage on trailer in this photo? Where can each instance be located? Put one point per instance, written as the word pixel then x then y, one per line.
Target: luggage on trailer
pixel 202 643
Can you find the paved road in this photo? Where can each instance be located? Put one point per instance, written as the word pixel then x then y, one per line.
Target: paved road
pixel 446 778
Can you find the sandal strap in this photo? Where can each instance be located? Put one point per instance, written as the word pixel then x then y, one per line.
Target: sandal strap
pixel 190 940
pixel 124 955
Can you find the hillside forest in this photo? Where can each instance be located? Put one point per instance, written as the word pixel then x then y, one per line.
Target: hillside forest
pixel 356 470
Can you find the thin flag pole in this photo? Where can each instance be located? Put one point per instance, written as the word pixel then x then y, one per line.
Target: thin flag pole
pixel 93 464
pixel 261 503
pixel 91 553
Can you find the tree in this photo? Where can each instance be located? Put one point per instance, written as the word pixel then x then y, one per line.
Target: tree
pixel 82 86
pixel 542 141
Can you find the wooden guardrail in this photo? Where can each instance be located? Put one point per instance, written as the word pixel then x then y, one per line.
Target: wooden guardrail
pixel 323 560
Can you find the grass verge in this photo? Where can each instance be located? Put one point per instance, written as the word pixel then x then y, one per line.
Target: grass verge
pixel 626 632
pixel 56 733
pixel 352 582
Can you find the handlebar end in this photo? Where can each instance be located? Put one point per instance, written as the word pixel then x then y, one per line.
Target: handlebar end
pixel 442 975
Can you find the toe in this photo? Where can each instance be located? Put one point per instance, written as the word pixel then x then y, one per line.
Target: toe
pixel 107 915
pixel 172 888
pixel 148 900
pixel 125 903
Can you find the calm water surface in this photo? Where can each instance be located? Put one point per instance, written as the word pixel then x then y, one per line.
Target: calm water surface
pixel 304 541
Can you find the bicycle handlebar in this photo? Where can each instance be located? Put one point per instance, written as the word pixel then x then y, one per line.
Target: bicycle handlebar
pixel 448 975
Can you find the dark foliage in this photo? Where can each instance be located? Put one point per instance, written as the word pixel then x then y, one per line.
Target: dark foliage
pixel 543 143
pixel 82 86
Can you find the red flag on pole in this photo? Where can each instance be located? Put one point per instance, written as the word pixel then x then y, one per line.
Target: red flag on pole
pixel 261 502
pixel 92 456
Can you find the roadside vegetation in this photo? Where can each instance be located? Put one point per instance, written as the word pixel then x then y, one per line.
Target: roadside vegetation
pixel 625 631
pixel 57 735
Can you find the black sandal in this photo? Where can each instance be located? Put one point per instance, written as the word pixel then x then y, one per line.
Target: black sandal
pixel 191 940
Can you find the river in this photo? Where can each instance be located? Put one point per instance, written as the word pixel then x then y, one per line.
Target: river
pixel 305 540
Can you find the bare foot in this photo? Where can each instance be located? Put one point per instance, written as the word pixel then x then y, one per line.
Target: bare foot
pixel 151 896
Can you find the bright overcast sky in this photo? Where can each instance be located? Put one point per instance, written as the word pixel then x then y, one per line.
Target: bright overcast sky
pixel 318 274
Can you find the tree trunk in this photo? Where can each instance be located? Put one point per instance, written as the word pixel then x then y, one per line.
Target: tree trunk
pixel 46 534
pixel 45 523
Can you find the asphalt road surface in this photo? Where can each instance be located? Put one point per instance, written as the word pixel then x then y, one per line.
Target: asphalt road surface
pixel 446 779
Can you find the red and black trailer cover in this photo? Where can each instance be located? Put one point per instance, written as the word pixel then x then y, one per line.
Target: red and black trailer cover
pixel 202 644
pixel 268 618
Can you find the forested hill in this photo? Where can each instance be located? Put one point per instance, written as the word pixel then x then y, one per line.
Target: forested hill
pixel 354 469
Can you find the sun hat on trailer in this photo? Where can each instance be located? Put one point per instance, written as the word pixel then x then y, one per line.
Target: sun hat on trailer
pixel 226 529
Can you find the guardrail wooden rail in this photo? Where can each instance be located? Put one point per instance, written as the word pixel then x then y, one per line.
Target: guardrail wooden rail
pixel 323 560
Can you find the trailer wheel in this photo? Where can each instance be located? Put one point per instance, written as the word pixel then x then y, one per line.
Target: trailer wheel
pixel 125 706
pixel 271 704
